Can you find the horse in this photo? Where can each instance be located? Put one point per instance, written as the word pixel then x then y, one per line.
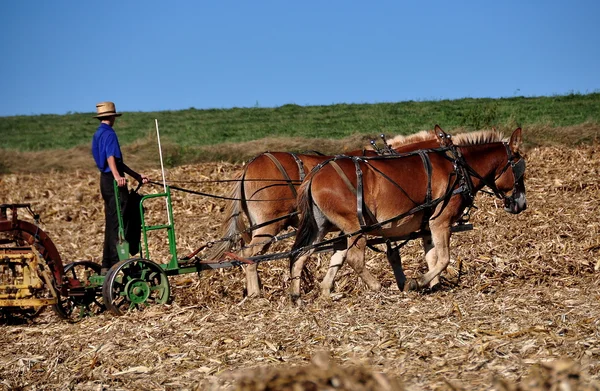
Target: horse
pixel 265 193
pixel 423 192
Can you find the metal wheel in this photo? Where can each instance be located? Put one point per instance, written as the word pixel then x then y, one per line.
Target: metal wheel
pixel 135 283
pixel 85 298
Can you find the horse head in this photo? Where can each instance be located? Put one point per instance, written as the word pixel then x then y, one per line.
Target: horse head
pixel 511 178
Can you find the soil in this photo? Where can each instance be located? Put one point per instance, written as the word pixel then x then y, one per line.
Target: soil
pixel 517 309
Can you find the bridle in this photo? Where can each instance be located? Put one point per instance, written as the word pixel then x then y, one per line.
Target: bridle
pixel 465 172
pixel 518 170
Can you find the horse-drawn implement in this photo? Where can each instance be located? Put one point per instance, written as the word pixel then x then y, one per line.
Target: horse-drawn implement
pixel 79 289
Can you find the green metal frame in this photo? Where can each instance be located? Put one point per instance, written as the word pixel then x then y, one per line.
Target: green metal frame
pixel 122 245
pixel 173 263
pixel 172 267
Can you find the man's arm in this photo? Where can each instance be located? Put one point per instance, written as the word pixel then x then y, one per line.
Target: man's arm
pixel 112 163
pixel 138 177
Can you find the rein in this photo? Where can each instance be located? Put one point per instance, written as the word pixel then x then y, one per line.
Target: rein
pixel 217 196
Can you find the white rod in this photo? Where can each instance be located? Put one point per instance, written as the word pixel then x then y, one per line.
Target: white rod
pixel 162 169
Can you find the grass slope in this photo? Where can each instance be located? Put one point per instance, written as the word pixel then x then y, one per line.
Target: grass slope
pixel 61 142
pixel 215 126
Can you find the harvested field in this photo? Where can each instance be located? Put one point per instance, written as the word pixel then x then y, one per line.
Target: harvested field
pixel 519 309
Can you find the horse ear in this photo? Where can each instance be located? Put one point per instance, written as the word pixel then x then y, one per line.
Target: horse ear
pixel 516 140
pixel 444 138
pixel 439 133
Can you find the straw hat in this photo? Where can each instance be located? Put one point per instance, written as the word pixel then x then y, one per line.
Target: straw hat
pixel 106 109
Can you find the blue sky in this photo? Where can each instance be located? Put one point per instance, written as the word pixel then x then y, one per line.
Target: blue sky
pixel 65 56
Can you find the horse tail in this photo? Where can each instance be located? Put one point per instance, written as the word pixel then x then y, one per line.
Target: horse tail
pixel 234 223
pixel 307 228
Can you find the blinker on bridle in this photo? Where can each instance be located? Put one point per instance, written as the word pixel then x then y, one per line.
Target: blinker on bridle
pixel 518 169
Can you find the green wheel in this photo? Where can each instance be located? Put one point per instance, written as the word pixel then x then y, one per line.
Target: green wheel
pixel 84 299
pixel 135 283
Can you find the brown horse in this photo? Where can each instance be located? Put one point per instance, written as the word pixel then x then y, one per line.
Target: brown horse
pixel 423 192
pixel 266 194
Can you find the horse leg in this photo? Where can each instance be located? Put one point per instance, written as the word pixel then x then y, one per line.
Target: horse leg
pixel 441 254
pixel 258 245
pixel 336 262
pixel 431 258
pixel 356 259
pixel 393 257
pixel 296 275
pixel 252 280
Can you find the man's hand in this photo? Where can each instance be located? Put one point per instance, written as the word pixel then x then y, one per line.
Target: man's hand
pixel 121 181
pixel 145 179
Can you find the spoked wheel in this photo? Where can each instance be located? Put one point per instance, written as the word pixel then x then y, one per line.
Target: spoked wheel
pixel 135 284
pixel 85 298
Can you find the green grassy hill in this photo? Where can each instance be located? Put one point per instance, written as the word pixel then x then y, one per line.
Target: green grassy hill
pixel 201 135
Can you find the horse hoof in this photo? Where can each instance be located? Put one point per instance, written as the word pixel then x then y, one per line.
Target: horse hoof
pixel 295 299
pixel 411 285
pixel 251 296
pixel 336 296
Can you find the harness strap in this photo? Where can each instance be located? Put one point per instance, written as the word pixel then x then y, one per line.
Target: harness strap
pixel 428 169
pixel 343 175
pixel 377 225
pixel 283 172
pixel 300 163
pixel 360 197
pixel 361 207
pixel 462 170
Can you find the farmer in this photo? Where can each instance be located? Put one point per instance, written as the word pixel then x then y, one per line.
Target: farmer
pixel 108 157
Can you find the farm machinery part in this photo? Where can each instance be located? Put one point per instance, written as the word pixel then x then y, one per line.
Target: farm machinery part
pixel 30 266
pixel 32 276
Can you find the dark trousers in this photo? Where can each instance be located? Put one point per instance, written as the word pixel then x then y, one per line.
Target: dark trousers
pixel 111 227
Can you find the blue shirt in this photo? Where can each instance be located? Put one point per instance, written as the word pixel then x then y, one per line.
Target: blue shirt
pixel 105 144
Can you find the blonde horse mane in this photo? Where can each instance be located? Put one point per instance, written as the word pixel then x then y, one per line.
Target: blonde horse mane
pixel 470 138
pixel 400 140
pixel 479 137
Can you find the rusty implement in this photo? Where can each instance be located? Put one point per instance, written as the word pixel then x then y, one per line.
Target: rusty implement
pixel 30 266
pixel 25 279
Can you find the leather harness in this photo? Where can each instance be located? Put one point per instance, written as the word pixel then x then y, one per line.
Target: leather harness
pixel 284 172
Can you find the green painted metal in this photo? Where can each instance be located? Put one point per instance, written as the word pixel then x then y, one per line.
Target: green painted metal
pixel 122 245
pixel 135 283
pixel 173 263
pixel 137 291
